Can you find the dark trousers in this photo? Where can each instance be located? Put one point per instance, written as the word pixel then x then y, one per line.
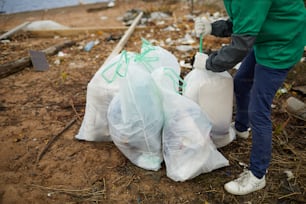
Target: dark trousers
pixel 255 86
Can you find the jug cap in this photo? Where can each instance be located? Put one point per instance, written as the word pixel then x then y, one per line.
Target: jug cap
pixel 200 60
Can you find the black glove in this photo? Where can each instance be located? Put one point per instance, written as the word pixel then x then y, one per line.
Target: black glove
pixel 222 28
pixel 228 56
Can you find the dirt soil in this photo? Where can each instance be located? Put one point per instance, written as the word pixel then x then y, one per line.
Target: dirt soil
pixel 37 106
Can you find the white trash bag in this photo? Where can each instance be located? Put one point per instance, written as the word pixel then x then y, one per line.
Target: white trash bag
pixel 187 147
pixel 214 93
pixel 154 57
pixel 135 119
pixel 100 91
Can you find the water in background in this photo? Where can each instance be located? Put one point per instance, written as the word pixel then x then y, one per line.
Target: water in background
pixel 15 6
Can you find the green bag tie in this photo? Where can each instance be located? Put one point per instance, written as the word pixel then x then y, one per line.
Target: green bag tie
pixel 120 67
pixel 176 79
pixel 143 58
pixel 201 44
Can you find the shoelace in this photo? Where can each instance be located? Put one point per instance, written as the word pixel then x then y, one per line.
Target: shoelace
pixel 243 177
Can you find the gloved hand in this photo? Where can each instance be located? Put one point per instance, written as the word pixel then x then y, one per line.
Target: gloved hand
pixel 200 60
pixel 202 26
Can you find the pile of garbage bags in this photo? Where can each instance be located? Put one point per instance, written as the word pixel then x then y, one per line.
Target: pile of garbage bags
pixel 135 100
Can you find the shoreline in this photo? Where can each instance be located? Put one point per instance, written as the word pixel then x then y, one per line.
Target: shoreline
pixel 82 15
pixel 55 8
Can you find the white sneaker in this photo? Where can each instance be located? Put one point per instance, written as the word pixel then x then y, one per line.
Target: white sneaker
pixel 243 135
pixel 246 183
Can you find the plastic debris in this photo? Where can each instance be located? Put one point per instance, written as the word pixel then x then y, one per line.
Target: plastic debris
pixel 5 41
pixel 61 54
pixel 111 4
pixel 289 175
pixel 244 165
pixel 171 28
pixel 237 66
pixel 185 65
pixel 44 25
pixel 184 48
pixel 186 40
pixel 159 15
pixel 90 45
pixel 103 18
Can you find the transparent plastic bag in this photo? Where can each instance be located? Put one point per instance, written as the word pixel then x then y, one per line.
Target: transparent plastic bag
pixel 187 147
pixel 154 57
pixel 100 91
pixel 135 119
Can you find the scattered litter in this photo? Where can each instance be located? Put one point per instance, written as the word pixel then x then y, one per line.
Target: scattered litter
pixel 160 23
pixel 61 54
pixel 103 18
pixel 45 25
pixel 113 37
pixel 184 48
pixel 283 90
pixel 186 40
pixel 289 175
pixel 90 45
pixel 130 15
pixel 39 60
pixel 237 66
pixel 158 15
pixel 5 41
pixel 171 28
pixel 216 15
pixel 185 65
pixel 76 65
pixel 111 4
pixel 244 165
pixel 57 62
pixel 169 41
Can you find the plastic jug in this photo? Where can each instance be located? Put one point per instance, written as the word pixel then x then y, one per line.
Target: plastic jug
pixel 214 93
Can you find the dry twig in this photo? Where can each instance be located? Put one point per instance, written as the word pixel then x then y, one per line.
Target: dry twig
pixel 54 138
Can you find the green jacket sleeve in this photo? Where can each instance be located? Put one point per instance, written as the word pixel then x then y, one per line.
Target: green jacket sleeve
pixel 247 17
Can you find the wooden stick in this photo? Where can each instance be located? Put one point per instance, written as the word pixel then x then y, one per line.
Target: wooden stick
pixel 54 138
pixel 18 65
pixel 125 38
pixel 14 30
pixel 54 49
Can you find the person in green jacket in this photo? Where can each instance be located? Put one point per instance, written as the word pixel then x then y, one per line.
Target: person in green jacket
pixel 268 36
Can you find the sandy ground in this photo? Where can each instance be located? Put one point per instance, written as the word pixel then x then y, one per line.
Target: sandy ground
pixel 36 106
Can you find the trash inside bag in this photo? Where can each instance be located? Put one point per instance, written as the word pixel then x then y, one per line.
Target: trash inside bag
pixel 214 93
pixel 136 119
pixel 187 147
pixel 100 91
